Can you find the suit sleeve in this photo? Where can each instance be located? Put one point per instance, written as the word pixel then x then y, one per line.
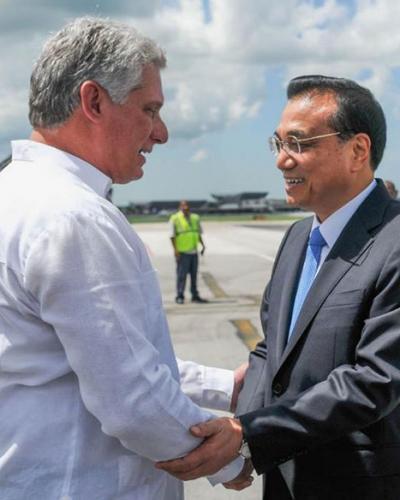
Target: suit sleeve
pixel 352 397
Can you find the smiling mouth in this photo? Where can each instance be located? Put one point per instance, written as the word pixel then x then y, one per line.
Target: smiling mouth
pixel 294 180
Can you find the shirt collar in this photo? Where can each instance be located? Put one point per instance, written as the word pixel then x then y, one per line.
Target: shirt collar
pixel 335 223
pixel 26 150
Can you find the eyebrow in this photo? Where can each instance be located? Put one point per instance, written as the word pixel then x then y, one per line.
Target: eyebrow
pixel 296 133
pixel 155 104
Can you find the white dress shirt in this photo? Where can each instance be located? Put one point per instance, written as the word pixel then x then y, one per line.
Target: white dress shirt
pixel 89 385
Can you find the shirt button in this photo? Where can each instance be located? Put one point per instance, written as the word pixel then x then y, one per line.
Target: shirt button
pixel 66 497
pixel 277 389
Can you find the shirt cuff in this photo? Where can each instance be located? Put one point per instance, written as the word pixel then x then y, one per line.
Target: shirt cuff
pixel 218 388
pixel 206 386
pixel 227 473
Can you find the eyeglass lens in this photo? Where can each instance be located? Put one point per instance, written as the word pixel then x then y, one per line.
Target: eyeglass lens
pixel 290 145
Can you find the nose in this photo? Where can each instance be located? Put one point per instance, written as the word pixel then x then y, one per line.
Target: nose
pixel 160 132
pixel 284 160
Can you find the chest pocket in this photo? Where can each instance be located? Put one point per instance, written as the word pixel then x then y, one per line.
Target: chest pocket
pixel 345 298
pixel 341 309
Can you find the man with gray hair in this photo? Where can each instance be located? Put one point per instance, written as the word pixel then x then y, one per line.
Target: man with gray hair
pixel 90 389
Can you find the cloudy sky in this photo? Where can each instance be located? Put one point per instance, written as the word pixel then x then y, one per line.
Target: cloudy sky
pixel 228 64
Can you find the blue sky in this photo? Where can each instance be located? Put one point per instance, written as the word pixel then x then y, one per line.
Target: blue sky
pixel 228 64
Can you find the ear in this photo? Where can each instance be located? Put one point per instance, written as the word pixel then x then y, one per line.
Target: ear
pixel 361 150
pixel 93 98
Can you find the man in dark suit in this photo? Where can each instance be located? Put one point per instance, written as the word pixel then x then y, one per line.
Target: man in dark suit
pixel 319 413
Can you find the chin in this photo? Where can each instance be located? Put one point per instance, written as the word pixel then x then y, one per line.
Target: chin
pixel 290 200
pixel 138 175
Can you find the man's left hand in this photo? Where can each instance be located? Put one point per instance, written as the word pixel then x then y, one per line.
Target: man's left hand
pixel 223 437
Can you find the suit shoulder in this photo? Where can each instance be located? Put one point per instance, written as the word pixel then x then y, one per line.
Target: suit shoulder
pixel 391 219
pixel 386 235
pixel 393 208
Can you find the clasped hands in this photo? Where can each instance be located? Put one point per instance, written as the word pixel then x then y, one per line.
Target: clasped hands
pixel 222 440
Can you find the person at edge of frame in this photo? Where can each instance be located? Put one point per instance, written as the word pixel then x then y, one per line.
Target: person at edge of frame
pixel 391 188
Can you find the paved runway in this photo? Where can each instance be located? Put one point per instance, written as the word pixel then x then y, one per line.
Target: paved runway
pixel 232 276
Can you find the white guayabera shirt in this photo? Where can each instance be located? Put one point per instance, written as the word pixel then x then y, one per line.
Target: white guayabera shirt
pixel 89 384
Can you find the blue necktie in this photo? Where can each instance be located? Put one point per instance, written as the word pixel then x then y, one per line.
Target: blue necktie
pixel 315 244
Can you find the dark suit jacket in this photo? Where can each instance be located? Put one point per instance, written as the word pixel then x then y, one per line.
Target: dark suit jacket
pixel 329 399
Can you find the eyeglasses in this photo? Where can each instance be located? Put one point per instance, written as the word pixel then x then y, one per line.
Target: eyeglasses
pixel 292 144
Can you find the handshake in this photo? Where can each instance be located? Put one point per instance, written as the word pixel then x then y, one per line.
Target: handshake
pixel 222 441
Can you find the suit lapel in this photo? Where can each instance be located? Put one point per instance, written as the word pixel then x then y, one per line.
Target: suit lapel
pixel 350 249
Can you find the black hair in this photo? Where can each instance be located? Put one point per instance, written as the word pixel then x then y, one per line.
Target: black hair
pixel 357 109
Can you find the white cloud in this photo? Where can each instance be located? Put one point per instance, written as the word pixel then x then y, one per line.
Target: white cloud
pixel 216 70
pixel 199 155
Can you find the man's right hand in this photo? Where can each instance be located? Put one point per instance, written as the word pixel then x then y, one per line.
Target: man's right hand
pixel 222 440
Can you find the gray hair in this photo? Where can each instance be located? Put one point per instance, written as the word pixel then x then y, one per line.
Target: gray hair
pixel 112 54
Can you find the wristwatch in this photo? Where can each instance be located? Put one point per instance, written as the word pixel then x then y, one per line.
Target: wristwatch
pixel 244 450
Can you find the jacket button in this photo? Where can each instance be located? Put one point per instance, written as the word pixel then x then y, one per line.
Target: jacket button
pixel 277 389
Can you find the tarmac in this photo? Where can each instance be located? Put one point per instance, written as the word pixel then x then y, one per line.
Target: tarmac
pixel 232 275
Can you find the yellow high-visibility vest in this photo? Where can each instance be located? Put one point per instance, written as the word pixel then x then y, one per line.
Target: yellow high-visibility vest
pixel 187 232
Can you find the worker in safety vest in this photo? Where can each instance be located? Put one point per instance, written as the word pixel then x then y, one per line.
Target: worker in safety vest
pixel 185 237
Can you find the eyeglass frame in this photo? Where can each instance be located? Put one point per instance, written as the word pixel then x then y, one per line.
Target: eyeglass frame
pixel 273 140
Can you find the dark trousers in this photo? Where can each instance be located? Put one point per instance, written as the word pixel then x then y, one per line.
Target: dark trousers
pixel 332 488
pixel 187 264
